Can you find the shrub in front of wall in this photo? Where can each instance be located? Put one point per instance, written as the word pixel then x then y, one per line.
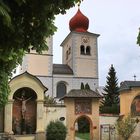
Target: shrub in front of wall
pixel 114 109
pixel 56 130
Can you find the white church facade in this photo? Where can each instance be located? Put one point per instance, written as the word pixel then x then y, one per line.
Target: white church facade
pixel 79 61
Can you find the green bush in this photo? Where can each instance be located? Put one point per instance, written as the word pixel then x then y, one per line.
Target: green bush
pixel 56 131
pixel 126 127
pixel 114 109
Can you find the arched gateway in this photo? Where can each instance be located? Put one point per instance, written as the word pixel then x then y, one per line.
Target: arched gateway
pixel 24 110
pixel 83 126
pixel 82 104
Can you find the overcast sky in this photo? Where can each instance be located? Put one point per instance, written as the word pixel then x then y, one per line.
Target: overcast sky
pixel 117 22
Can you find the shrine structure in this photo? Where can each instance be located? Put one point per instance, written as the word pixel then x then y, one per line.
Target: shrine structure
pixel 82 104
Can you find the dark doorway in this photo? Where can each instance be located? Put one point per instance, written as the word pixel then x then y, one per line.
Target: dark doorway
pixel 82 128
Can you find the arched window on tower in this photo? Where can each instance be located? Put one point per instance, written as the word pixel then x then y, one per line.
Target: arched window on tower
pixel 88 50
pixel 82 49
pixel 61 89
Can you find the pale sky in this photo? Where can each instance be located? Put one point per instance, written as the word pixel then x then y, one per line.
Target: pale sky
pixel 117 22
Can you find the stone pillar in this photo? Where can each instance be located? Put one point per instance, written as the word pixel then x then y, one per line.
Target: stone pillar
pixel 96 128
pixel 71 131
pixel 70 118
pixel 40 130
pixel 40 136
pixel 95 119
pixel 8 117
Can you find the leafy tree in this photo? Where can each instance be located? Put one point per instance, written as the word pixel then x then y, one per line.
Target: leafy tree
pixel 138 38
pixel 4 12
pixel 111 97
pixel 56 131
pixel 126 127
pixel 25 23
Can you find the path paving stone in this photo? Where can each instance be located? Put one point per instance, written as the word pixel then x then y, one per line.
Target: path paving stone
pixel 78 138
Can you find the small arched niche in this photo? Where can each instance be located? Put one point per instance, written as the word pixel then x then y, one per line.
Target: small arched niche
pixel 135 106
pixel 24 111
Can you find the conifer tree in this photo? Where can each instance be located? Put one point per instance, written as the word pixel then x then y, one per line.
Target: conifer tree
pixel 111 97
pixel 82 86
pixel 87 86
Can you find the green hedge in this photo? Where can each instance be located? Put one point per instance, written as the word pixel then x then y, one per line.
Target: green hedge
pixel 114 109
pixel 56 131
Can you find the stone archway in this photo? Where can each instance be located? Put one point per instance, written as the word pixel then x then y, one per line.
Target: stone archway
pixel 83 127
pixel 24 111
pixel 31 84
pixel 82 103
pixel 135 112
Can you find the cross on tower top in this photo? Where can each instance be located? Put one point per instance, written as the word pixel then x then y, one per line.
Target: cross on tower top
pixel 135 77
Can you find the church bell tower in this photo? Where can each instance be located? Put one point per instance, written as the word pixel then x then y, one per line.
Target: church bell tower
pixel 80 49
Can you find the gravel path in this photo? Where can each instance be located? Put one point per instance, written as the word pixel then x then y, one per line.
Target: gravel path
pixel 78 138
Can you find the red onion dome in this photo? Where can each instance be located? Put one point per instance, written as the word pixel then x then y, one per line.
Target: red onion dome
pixel 79 22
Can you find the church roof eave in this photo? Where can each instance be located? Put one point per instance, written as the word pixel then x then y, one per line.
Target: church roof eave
pixel 127 85
pixel 62 69
pixel 78 93
pixel 32 76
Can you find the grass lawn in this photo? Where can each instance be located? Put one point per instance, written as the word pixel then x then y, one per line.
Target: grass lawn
pixel 85 136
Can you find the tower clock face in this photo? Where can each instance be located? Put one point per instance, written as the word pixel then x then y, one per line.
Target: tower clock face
pixel 85 39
